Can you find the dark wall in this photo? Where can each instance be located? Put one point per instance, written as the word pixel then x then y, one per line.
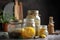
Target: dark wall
pixel 46 7
pixel 53 10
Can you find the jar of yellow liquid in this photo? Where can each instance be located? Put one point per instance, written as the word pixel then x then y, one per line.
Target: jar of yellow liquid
pixel 43 32
pixel 28 29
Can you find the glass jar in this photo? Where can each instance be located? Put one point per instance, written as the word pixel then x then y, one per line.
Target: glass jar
pixel 43 32
pixel 35 15
pixel 29 28
pixel 14 29
pixel 14 26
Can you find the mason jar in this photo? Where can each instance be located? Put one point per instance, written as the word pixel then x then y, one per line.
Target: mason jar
pixel 43 32
pixel 29 28
pixel 14 26
pixel 14 30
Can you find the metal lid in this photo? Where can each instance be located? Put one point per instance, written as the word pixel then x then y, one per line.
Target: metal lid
pixel 44 26
pixel 51 19
pixel 34 11
pixel 30 12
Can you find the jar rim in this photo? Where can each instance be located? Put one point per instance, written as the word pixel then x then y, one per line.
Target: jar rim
pixel 36 11
pixel 44 26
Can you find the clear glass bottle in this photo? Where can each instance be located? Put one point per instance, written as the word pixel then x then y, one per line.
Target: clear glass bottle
pixel 35 15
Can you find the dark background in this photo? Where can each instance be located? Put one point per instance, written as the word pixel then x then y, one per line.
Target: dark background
pixel 46 7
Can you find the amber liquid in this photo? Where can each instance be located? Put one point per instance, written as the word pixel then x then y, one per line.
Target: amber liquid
pixel 51 28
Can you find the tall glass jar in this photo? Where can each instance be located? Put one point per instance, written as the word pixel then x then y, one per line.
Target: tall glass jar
pixel 29 28
pixel 35 14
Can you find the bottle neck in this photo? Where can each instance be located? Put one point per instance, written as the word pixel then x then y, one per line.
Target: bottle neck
pixel 51 21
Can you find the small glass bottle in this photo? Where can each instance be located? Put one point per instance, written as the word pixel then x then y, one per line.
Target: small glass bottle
pixel 43 32
pixel 51 25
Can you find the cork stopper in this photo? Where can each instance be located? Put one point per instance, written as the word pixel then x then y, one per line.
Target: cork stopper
pixel 51 19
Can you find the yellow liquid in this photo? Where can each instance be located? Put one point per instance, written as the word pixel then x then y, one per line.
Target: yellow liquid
pixel 27 32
